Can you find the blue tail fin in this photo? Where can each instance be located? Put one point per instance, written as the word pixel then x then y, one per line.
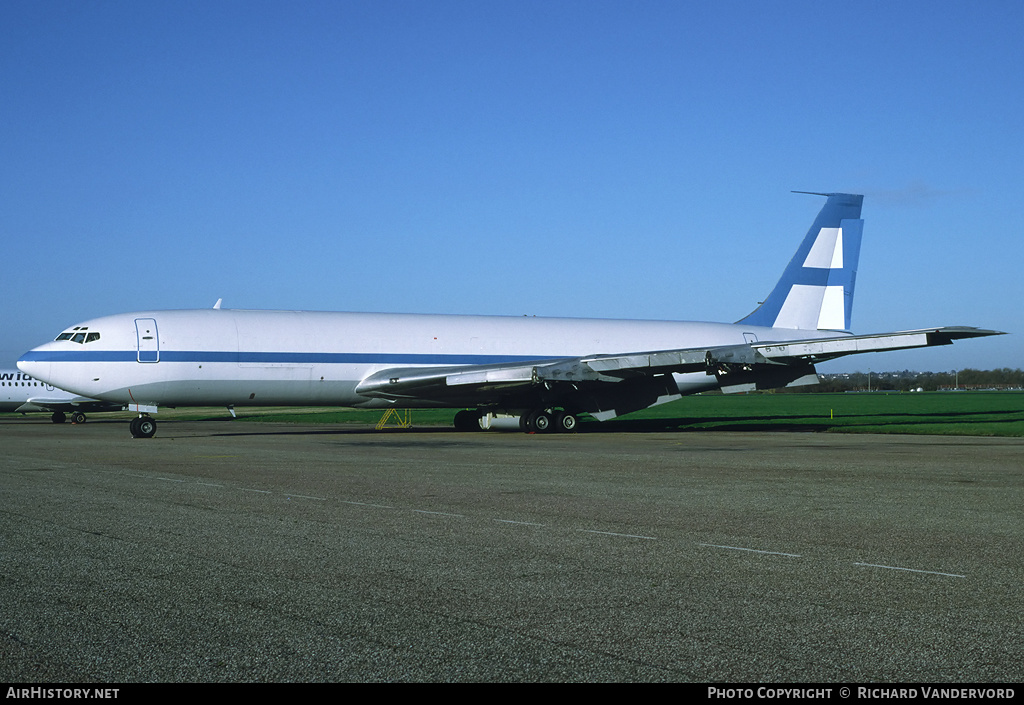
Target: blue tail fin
pixel 816 290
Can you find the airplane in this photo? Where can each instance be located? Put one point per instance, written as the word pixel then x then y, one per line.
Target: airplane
pixel 545 371
pixel 20 392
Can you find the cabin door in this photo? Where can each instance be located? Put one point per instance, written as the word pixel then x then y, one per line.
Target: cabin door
pixel 149 341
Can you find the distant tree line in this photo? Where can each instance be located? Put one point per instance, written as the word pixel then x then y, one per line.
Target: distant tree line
pixel 906 381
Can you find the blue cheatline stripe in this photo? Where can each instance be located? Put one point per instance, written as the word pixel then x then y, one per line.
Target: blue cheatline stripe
pixel 274 357
pixel 80 356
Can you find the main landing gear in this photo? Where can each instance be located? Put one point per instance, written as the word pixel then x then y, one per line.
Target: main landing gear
pixel 76 417
pixel 143 427
pixel 532 421
pixel 545 421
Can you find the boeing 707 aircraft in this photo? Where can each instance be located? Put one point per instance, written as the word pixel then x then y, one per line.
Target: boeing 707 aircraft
pixel 546 371
pixel 20 392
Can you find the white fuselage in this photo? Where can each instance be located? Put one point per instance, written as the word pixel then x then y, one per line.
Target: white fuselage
pixel 17 388
pixel 268 358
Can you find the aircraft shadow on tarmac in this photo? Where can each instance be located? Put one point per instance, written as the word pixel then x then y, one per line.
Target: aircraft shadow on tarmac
pixel 761 423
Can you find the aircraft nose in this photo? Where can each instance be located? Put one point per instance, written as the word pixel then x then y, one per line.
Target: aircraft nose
pixel 33 364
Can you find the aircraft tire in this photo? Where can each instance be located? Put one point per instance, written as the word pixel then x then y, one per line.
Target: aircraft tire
pixel 565 422
pixel 58 417
pixel 143 427
pixel 539 422
pixel 77 417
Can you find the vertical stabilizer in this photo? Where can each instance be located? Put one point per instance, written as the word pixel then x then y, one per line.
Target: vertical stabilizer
pixel 816 290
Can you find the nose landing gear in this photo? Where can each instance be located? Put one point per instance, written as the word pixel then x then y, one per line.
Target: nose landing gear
pixel 143 427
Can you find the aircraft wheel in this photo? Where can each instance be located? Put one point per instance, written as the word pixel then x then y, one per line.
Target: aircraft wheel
pixel 467 420
pixel 539 422
pixel 58 417
pixel 566 422
pixel 77 417
pixel 143 427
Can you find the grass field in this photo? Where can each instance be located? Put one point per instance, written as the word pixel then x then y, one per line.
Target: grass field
pixel 943 413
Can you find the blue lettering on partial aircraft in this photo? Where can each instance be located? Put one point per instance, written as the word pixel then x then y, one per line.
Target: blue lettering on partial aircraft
pixel 19 376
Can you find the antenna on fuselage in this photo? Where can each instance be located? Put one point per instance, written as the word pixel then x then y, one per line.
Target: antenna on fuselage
pixel 216 306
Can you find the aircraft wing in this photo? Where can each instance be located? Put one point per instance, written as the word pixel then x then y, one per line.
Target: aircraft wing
pixel 610 385
pixel 820 349
pixel 68 404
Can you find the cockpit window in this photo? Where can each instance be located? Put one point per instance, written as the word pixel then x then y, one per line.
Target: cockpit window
pixel 79 334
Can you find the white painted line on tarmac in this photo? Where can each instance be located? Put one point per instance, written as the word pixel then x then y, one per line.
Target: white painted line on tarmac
pixel 911 570
pixel 751 550
pixel 530 523
pixel 612 533
pixel 365 504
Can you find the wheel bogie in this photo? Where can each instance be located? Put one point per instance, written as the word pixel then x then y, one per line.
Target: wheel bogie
pixel 530 420
pixel 548 421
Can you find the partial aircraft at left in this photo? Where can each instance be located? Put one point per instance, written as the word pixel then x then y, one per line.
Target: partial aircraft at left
pixel 19 392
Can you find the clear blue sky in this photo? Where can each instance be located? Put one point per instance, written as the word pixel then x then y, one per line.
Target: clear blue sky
pixel 558 158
